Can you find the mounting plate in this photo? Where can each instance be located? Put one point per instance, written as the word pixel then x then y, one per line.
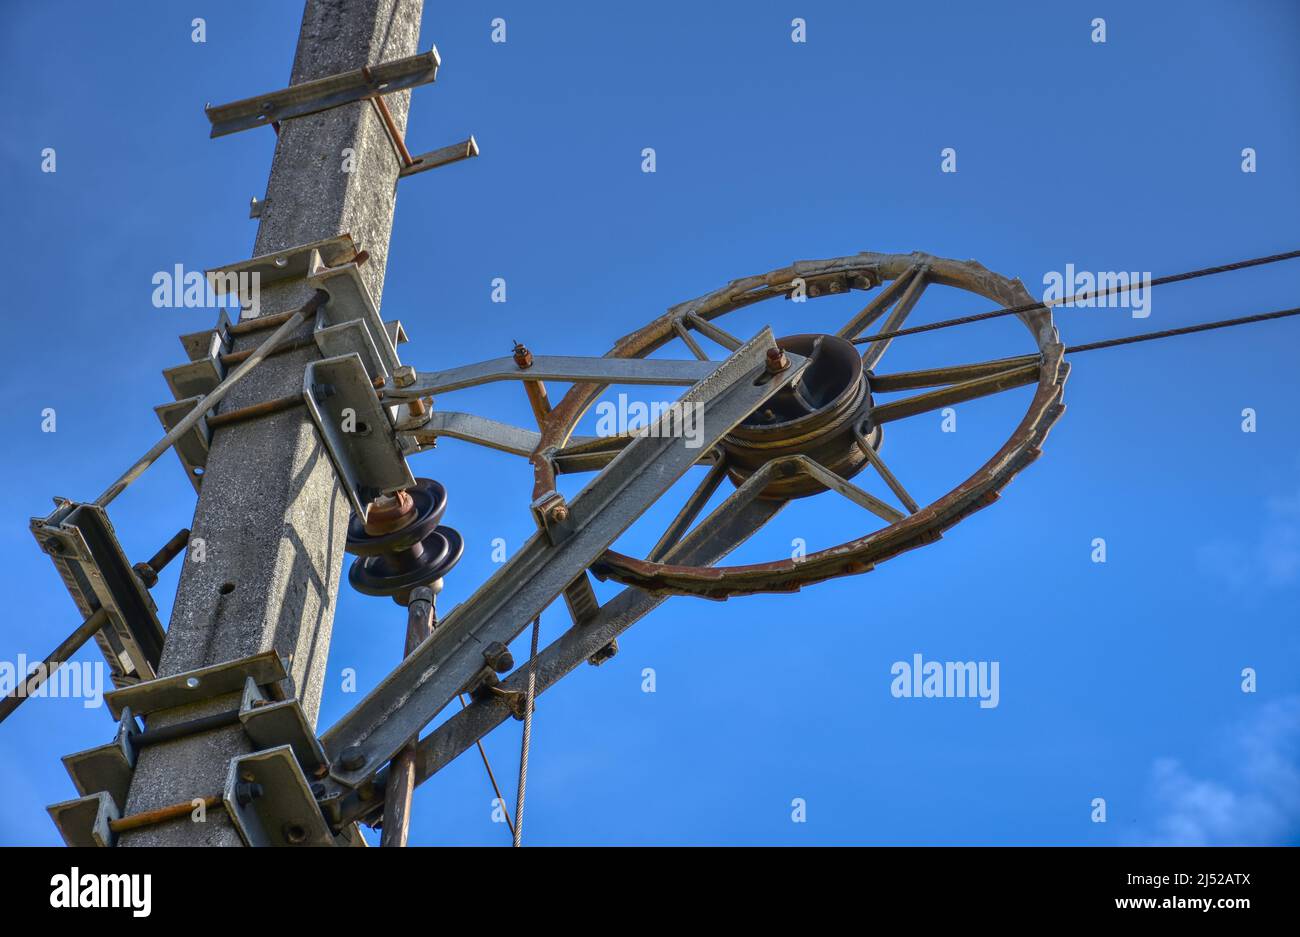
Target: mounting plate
pixel 355 428
pixel 285 813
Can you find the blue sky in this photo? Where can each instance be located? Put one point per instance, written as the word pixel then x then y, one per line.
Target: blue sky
pixel 1118 680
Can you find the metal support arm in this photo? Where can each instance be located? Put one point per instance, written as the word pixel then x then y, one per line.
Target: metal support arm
pixel 426 681
pixel 556 368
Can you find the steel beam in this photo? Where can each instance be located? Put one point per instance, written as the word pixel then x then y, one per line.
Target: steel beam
pixel 310 97
pixel 569 368
pixel 426 681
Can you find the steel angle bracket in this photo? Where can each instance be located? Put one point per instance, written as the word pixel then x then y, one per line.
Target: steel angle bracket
pixel 192 448
pixel 349 323
pixel 80 540
pixel 465 149
pixel 567 368
pixel 311 97
pixel 107 767
pixel 270 802
pixel 355 428
pixel 194 378
pixel 266 669
pixel 426 681
pixel 270 723
pixel 292 263
pixel 85 821
pixel 208 343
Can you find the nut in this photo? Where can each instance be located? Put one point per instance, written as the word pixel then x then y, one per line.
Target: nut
pixel 353 759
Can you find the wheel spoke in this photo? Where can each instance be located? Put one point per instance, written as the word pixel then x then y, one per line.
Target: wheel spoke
pixel 876 308
pixel 719 335
pixel 851 491
pixel 953 374
pixel 690 510
pixel 883 471
pixel 690 341
pixel 876 350
pixel 955 393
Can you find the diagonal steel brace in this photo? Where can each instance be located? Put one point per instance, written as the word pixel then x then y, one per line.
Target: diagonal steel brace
pixel 416 691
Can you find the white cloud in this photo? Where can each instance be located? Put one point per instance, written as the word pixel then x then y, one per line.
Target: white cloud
pixel 1260 805
pixel 1271 560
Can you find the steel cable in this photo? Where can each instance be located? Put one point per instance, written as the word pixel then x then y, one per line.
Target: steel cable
pixel 528 735
pixel 1077 297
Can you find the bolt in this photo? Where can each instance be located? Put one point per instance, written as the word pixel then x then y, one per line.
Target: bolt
pixel 404 376
pixel 148 575
pixel 53 546
pixel 776 360
pixel 498 657
pixel 353 759
pixel 246 792
pixel 523 357
pixel 295 834
pixel 559 513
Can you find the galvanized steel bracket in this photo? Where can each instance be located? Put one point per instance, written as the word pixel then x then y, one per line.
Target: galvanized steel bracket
pixel 107 767
pixel 80 540
pixel 85 821
pixel 356 429
pixel 193 686
pixel 270 802
pixel 311 97
pixel 350 322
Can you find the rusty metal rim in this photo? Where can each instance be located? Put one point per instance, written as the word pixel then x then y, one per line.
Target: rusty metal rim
pixel 856 556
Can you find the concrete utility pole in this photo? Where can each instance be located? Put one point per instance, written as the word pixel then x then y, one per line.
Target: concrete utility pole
pixel 271 513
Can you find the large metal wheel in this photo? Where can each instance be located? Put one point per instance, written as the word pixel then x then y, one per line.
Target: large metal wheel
pixel 827 429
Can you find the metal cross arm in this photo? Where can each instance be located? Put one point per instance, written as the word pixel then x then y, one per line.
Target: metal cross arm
pixel 310 97
pixel 555 368
pixel 426 681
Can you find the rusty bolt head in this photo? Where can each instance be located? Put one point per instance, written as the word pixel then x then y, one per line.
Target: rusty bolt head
pixel 776 360
pixel 148 575
pixel 560 513
pixel 353 759
pixel 498 657
pixel 523 357
pixel 404 376
pixel 295 834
